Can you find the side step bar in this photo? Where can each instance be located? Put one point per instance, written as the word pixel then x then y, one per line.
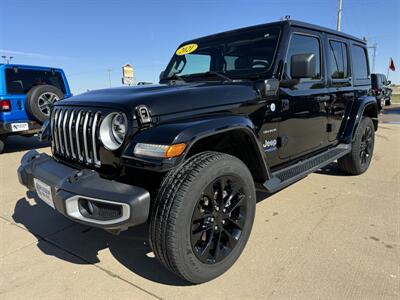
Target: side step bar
pixel 291 174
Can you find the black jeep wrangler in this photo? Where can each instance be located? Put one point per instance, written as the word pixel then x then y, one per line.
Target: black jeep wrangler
pixel 381 90
pixel 253 108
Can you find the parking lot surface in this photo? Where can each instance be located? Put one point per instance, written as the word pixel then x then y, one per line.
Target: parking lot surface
pixel 329 236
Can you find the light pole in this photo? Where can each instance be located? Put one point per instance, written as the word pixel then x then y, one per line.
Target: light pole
pixel 109 76
pixel 339 15
pixel 7 58
pixel 374 46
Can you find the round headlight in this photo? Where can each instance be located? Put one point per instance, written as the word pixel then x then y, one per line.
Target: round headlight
pixel 113 130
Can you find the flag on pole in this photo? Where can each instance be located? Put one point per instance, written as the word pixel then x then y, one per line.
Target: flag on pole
pixel 391 65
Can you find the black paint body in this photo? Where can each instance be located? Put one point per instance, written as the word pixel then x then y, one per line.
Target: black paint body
pixel 308 118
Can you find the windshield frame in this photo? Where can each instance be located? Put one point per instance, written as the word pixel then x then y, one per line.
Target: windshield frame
pixel 239 75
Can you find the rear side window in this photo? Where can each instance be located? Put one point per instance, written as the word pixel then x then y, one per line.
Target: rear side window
pixel 20 81
pixel 360 62
pixel 338 60
pixel 304 44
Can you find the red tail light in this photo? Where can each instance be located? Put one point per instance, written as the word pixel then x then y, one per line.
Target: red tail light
pixel 5 105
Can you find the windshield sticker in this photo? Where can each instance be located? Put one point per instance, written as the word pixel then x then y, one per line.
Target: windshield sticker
pixel 187 49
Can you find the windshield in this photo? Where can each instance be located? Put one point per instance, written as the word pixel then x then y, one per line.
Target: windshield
pixel 236 55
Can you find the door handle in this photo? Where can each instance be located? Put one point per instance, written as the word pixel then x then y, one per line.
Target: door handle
pixel 322 98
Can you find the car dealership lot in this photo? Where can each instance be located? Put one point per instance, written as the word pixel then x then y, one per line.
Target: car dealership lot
pixel 328 236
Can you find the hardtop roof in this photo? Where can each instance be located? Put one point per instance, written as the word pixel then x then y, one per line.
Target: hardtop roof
pixel 292 23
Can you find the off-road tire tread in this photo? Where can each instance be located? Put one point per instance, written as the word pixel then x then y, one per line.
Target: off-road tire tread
pixel 168 201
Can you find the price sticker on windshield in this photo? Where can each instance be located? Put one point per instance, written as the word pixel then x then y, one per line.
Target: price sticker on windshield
pixel 189 48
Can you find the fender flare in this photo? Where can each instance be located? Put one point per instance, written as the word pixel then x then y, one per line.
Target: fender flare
pixel 191 132
pixel 358 110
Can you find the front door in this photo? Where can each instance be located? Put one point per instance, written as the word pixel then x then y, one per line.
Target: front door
pixel 304 117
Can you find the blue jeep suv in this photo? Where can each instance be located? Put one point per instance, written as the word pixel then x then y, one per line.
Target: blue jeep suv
pixel 26 96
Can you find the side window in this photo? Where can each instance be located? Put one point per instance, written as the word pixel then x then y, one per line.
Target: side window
pixel 304 44
pixel 230 62
pixel 360 62
pixel 338 60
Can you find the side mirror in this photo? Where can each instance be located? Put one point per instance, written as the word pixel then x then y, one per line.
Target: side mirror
pixel 388 82
pixel 162 75
pixel 303 66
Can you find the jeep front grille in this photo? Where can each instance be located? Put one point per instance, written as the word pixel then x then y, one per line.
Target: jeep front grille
pixel 75 134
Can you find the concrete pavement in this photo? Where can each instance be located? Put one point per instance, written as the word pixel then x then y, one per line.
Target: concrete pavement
pixel 328 236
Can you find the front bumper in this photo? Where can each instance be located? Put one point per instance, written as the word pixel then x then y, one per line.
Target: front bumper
pixel 6 128
pixel 85 197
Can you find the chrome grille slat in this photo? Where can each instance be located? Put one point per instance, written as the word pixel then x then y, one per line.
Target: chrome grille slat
pixel 94 130
pixel 85 140
pixel 78 143
pixel 75 136
pixel 60 116
pixel 71 140
pixel 65 132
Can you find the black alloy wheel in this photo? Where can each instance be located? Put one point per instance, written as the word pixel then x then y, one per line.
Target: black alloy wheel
pixel 366 146
pixel 218 219
pixel 358 160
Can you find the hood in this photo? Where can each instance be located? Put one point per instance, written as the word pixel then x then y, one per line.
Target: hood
pixel 167 99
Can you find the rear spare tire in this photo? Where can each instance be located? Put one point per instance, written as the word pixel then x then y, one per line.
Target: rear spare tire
pixel 40 99
pixel 203 215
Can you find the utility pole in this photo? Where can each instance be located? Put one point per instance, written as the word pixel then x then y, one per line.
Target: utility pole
pixel 109 76
pixel 7 58
pixel 374 46
pixel 339 15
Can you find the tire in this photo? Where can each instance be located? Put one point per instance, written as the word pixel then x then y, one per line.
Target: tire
pixel 359 159
pixel 2 144
pixel 40 99
pixel 183 223
pixel 381 103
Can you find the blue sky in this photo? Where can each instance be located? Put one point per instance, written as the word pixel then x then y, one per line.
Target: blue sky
pixel 88 37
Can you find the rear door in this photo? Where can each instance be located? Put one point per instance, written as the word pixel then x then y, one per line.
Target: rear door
pixel 303 121
pixel 340 83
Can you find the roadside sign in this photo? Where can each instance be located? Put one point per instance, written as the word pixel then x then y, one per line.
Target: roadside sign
pixel 128 81
pixel 128 75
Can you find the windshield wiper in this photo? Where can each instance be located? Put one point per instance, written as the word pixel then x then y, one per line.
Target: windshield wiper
pixel 220 75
